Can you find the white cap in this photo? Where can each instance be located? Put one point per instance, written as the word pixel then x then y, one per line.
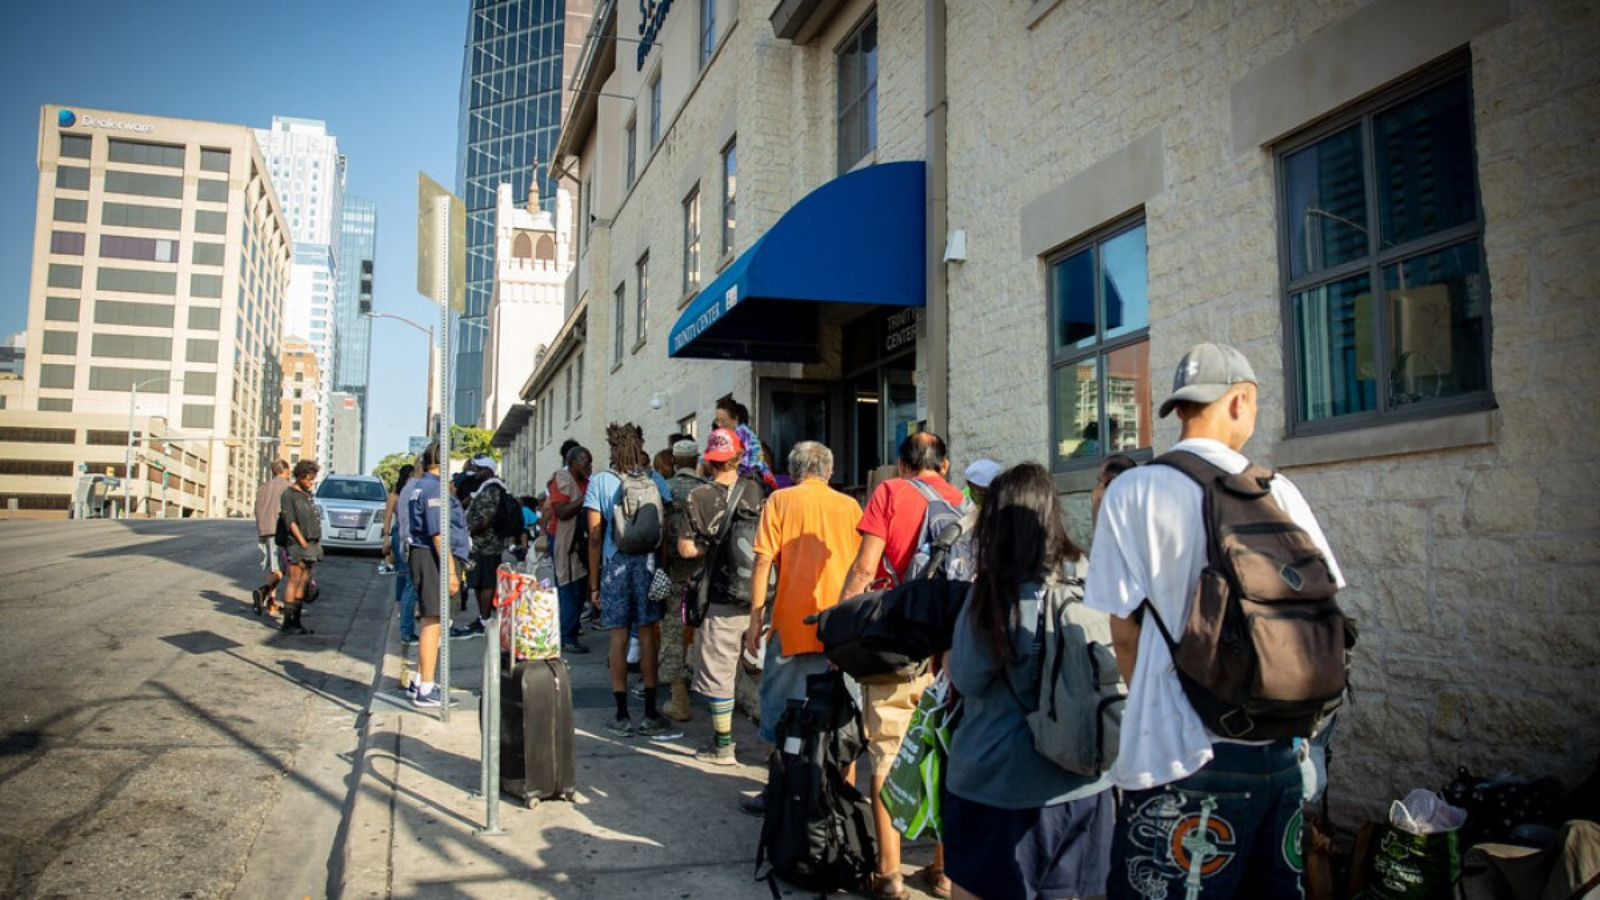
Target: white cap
pixel 982 472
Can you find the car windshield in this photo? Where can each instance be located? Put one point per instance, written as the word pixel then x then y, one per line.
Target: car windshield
pixel 350 489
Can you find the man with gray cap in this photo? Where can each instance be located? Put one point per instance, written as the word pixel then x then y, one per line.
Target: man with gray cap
pixel 1200 815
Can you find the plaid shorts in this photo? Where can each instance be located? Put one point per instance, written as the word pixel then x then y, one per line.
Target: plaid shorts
pixel 625 591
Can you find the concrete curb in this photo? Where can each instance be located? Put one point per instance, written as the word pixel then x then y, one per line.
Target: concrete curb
pixel 362 857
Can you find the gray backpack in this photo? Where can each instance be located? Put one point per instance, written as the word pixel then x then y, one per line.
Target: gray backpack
pixel 637 518
pixel 1078 722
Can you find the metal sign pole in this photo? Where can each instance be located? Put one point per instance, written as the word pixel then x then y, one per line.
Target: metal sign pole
pixel 446 495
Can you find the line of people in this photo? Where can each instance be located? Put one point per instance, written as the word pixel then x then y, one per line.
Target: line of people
pixel 289 543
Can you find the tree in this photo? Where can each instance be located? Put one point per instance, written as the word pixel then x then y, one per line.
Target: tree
pixel 466 443
pixel 388 468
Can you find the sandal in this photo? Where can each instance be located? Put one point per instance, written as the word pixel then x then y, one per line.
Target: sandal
pixel 887 886
pixel 934 877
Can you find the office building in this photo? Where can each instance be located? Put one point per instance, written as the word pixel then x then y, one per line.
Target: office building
pixel 344 454
pixel 161 264
pixel 308 172
pixel 302 413
pixel 358 244
pixel 519 54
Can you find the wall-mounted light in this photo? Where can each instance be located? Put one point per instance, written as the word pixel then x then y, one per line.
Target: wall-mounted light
pixel 955 246
pixel 659 399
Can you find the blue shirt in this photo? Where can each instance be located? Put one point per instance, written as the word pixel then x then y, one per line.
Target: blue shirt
pixel 422 516
pixel 605 488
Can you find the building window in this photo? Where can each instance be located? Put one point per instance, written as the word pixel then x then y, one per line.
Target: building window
pixel 205 318
pixel 641 272
pixel 691 241
pixel 568 418
pixel 214 160
pixel 67 243
pixel 61 309
pixel 57 376
pixel 60 343
pixel 75 145
pixel 858 94
pixel 169 155
pixel 690 426
pixel 73 178
pixel 211 191
pixel 142 315
pixel 131 346
pixel 577 391
pixel 708 30
pixel 144 184
pixel 149 249
pixel 655 110
pixel 730 195
pixel 618 319
pixel 586 213
pixel 631 152
pixel 136 281
pixel 1100 347
pixel 209 222
pixel 1385 296
pixel 133 215
pixel 70 210
pixel 62 275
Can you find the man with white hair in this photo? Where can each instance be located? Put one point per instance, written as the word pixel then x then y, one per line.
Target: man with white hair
pixel 488 545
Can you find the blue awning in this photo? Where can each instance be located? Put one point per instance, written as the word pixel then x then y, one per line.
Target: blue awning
pixel 856 240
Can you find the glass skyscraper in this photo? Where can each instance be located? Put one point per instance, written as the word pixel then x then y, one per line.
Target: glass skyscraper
pixel 511 100
pixel 358 242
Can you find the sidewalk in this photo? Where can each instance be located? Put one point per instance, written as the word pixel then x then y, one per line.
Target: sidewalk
pixel 648 820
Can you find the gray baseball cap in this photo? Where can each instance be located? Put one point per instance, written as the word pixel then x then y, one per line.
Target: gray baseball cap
pixel 1205 373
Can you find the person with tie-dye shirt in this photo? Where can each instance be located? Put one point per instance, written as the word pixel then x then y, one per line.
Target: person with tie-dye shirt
pixel 734 416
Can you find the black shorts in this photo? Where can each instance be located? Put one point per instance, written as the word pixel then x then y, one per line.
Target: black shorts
pixel 484 573
pixel 1057 851
pixel 424 563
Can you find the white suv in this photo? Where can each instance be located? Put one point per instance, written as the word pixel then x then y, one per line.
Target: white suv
pixel 352 512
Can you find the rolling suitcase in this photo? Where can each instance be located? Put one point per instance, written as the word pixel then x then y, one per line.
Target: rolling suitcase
pixel 537 745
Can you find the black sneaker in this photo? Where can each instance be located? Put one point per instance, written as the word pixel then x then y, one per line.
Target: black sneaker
pixel 574 648
pixel 258 599
pixel 621 727
pixel 755 806
pixel 659 728
pixel 471 630
pixel 294 628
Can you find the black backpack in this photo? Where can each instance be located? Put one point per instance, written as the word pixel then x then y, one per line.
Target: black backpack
pixel 816 834
pixel 736 552
pixel 887 637
pixel 507 515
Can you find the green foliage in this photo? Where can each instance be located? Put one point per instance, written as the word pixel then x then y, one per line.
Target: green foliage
pixel 465 443
pixel 388 468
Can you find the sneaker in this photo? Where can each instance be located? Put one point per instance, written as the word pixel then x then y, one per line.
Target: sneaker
pixel 410 687
pixel 636 690
pixel 717 756
pixel 258 599
pixel 471 630
pixel 657 728
pixel 574 647
pixel 431 700
pixel 294 628
pixel 410 641
pixel 755 806
pixel 621 727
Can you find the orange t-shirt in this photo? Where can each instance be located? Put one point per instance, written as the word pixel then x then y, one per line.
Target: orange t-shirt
pixel 809 530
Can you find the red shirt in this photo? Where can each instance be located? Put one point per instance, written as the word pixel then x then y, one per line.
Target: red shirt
pixel 894 513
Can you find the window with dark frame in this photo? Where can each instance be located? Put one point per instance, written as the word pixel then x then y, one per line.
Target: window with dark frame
pixel 655 110
pixel 641 270
pixel 691 241
pixel 858 94
pixel 619 320
pixel 631 152
pixel 708 31
pixel 1385 295
pixel 730 195
pixel 1100 387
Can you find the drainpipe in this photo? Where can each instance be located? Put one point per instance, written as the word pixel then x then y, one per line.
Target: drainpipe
pixel 936 128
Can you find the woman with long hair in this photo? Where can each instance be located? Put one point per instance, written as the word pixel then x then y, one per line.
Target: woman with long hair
pixel 405 593
pixel 1015 823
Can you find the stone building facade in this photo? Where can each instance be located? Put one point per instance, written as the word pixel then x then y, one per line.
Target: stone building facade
pixel 1385 205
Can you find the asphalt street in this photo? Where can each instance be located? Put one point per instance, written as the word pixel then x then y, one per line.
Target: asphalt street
pixel 156 738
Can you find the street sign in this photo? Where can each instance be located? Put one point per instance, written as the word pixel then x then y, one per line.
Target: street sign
pixel 441 245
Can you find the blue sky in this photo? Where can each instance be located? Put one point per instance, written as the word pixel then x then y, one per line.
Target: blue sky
pixel 385 76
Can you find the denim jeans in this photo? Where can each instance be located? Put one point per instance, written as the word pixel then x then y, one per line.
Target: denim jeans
pixel 405 593
pixel 1231 829
pixel 570 598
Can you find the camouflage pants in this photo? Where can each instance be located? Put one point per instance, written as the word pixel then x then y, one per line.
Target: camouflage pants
pixel 671 667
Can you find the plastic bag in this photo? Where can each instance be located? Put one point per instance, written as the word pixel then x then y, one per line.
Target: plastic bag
pixel 912 789
pixel 530 618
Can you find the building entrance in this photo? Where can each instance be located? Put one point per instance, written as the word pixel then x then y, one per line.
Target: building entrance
pixel 861 417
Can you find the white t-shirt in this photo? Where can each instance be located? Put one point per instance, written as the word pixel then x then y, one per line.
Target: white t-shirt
pixel 1150 543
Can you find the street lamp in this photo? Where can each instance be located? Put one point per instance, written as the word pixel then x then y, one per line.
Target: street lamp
pixel 428 330
pixel 127 470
